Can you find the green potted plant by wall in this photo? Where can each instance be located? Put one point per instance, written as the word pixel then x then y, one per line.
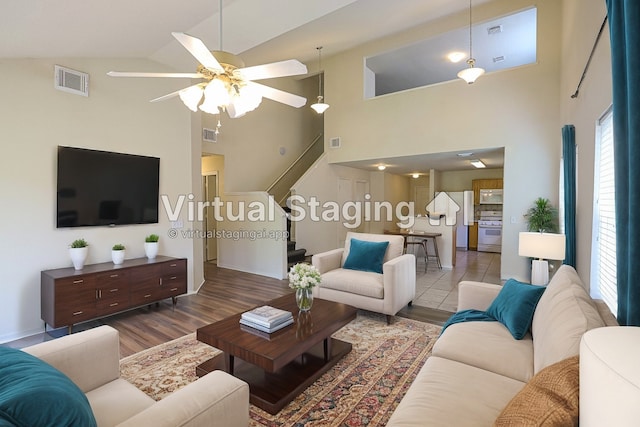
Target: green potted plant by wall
pixel 117 253
pixel 542 216
pixel 78 251
pixel 151 245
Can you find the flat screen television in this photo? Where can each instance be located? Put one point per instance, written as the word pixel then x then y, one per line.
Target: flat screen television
pixel 101 188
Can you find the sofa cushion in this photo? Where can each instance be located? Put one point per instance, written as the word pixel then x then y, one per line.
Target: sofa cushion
pixel 561 318
pixel 514 306
pixel 366 256
pixel 34 393
pixel 489 346
pixel 355 282
pixel 551 398
pixel 448 393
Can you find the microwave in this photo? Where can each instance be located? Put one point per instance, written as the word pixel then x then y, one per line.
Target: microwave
pixel 491 196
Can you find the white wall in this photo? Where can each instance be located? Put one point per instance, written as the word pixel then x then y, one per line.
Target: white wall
pixel 517 109
pixel 36 118
pixel 582 20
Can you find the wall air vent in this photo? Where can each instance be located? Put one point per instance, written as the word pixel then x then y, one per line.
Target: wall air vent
pixel 335 142
pixel 496 29
pixel 498 58
pixel 209 135
pixel 72 81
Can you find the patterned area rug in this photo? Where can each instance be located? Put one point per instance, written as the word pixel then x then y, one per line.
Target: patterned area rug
pixel 361 389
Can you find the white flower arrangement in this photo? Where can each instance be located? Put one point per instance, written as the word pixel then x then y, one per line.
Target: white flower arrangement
pixel 303 276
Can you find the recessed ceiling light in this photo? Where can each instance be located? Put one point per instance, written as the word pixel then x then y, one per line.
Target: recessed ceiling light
pixel 456 57
pixel 416 175
pixel 381 167
pixel 467 154
pixel 478 163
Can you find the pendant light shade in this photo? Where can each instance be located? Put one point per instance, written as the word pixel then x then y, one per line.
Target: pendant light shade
pixel 320 106
pixel 471 73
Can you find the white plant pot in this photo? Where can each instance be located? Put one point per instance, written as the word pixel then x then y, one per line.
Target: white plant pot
pixel 151 249
pixel 117 256
pixel 78 256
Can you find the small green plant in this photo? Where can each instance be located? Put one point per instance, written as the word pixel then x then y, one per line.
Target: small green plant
pixel 152 238
pixel 118 247
pixel 542 216
pixel 79 243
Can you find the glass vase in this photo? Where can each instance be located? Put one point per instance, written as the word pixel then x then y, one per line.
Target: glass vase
pixel 304 298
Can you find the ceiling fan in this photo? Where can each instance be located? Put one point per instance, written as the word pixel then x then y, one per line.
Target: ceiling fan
pixel 228 85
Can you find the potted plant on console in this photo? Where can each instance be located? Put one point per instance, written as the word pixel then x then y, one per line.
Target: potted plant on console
pixel 78 252
pixel 151 245
pixel 117 254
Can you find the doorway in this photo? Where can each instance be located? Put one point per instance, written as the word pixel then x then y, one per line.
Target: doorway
pixel 210 190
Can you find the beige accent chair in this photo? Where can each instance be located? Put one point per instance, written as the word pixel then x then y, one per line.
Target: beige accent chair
pixel 384 293
pixel 91 359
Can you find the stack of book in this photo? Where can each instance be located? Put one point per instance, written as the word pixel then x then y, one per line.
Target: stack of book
pixel 266 318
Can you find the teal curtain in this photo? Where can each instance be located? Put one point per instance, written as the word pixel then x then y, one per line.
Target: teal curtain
pixel 569 167
pixel 624 29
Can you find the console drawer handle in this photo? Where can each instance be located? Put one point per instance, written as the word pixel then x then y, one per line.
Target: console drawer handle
pixel 174 289
pixel 113 304
pixel 76 282
pixel 173 265
pixel 78 313
pixel 147 296
pixel 114 290
pixel 114 276
pixel 173 277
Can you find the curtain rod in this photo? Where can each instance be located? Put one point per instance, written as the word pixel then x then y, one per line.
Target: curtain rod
pixel 586 67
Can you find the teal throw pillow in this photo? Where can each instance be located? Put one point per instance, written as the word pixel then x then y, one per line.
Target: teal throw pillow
pixel 34 393
pixel 514 306
pixel 366 256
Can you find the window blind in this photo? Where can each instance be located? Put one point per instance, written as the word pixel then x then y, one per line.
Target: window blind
pixel 604 245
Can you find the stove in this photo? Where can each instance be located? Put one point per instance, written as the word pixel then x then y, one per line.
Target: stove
pixel 490 231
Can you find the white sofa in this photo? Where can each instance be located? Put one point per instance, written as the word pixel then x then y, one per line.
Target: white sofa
pixel 476 368
pixel 91 359
pixel 384 293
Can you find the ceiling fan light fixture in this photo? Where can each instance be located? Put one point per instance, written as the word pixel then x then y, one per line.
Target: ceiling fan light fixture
pixel 320 107
pixel 191 97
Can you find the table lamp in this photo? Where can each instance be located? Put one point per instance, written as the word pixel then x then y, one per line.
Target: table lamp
pixel 542 246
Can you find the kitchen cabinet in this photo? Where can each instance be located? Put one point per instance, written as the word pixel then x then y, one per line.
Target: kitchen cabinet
pixel 477 185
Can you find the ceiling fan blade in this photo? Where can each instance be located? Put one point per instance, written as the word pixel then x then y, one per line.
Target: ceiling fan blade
pixel 168 96
pixel 143 74
pixel 279 95
pixel 291 67
pixel 197 48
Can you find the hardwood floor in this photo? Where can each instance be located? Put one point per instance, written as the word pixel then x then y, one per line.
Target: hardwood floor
pixel 225 292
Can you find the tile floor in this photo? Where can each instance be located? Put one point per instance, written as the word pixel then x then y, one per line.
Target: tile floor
pixel 438 289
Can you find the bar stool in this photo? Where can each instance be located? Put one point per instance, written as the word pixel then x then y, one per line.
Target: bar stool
pixel 424 243
pixel 435 250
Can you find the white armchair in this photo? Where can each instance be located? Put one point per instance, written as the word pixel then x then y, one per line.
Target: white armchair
pixel 384 293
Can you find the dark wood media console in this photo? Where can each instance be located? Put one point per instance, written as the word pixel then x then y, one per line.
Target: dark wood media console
pixel 69 296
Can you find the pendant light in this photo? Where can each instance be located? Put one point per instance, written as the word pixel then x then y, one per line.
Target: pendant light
pixel 472 73
pixel 320 106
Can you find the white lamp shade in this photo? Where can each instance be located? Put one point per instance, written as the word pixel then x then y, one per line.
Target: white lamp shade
pixel 542 245
pixel 471 74
pixel 320 107
pixel 191 97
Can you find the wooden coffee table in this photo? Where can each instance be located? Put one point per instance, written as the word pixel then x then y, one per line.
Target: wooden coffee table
pixel 279 366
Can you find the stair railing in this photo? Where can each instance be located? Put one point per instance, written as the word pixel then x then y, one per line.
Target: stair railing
pixel 318 139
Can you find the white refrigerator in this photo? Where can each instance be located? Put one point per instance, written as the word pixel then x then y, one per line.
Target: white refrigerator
pixel 464 216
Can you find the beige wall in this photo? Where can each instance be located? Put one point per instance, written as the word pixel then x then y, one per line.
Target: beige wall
pixel 518 109
pixel 117 116
pixel 581 24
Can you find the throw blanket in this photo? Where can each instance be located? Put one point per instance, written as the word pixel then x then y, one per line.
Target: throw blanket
pixel 467 316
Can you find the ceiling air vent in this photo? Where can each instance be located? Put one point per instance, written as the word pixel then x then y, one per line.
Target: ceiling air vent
pixel 72 81
pixel 334 142
pixel 209 135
